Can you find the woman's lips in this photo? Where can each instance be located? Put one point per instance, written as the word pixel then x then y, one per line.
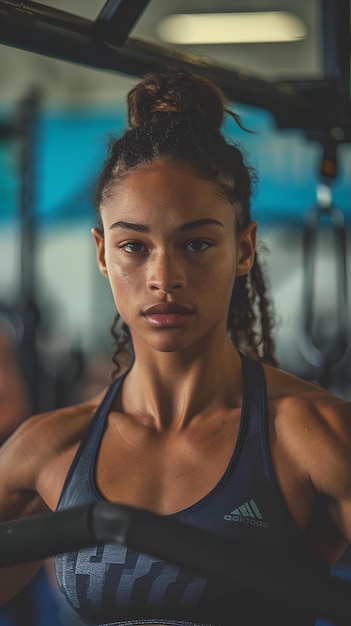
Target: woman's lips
pixel 167 314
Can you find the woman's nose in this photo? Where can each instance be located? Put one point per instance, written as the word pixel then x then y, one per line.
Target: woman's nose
pixel 165 274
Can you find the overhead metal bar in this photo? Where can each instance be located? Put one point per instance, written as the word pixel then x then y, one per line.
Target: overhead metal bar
pixel 30 12
pixel 336 38
pixel 117 18
pixel 55 33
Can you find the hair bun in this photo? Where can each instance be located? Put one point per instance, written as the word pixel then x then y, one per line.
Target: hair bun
pixel 178 94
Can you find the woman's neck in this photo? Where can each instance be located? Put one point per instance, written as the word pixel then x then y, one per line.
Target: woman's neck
pixel 168 389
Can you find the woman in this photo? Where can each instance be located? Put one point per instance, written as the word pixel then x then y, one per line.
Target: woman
pixel 193 429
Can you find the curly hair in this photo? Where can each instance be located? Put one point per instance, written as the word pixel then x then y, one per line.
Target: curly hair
pixel 178 116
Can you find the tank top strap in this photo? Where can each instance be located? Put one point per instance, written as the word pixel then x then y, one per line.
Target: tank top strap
pixel 254 392
pixel 90 441
pixel 255 411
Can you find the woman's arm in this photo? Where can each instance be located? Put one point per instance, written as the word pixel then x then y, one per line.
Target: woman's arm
pixel 18 498
pixel 330 459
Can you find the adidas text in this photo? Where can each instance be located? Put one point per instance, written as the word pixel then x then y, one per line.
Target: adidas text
pixel 246 520
pixel 247 513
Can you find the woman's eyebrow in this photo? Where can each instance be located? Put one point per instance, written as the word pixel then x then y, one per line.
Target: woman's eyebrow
pixel 142 228
pixel 203 222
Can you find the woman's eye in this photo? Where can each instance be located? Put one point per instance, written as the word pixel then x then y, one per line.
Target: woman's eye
pixel 133 246
pixel 197 245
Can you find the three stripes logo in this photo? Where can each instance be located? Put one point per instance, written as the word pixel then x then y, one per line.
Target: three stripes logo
pixel 248 513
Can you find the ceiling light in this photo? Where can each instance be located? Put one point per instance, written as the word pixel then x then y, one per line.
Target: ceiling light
pixel 226 28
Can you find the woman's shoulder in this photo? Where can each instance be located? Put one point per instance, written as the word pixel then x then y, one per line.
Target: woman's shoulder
pixel 288 390
pixel 307 418
pixel 36 456
pixel 58 425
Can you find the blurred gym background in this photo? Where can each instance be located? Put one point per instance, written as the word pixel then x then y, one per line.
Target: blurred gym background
pixel 56 119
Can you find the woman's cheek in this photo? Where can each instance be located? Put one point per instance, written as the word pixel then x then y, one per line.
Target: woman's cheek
pixel 125 287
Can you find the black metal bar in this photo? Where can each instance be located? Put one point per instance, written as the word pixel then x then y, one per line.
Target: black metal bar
pixel 41 536
pixel 200 551
pixel 337 44
pixel 117 18
pixel 31 11
pixel 56 34
pixel 27 124
pixel 27 309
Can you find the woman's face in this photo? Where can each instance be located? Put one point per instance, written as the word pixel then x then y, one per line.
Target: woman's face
pixel 171 253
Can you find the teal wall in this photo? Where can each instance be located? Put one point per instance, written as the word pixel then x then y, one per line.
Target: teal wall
pixel 71 145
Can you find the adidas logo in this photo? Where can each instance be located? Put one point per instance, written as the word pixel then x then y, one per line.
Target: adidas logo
pixel 248 513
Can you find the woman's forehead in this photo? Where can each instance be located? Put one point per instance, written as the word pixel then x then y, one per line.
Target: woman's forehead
pixel 164 186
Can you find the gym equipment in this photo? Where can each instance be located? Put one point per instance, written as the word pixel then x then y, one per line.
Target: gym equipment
pixel 47 389
pixel 201 551
pixel 320 349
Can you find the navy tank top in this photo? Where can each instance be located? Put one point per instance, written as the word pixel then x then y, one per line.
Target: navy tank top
pixel 111 584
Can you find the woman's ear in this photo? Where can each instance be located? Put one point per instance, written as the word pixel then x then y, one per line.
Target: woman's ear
pixel 246 249
pixel 99 239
